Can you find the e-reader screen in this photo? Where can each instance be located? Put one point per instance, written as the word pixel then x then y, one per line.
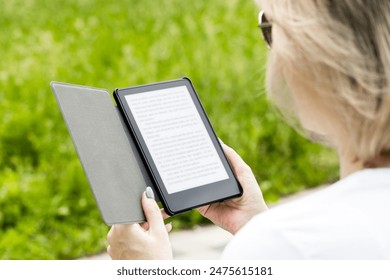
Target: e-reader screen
pixel 178 144
pixel 176 138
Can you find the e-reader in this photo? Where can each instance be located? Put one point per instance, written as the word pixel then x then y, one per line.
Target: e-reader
pixel 178 145
pixel 110 159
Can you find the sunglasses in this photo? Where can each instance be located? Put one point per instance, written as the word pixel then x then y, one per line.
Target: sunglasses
pixel 266 29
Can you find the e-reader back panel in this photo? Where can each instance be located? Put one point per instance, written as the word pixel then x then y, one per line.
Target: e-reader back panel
pixel 110 159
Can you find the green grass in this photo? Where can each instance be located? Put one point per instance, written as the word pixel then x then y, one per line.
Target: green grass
pixel 46 207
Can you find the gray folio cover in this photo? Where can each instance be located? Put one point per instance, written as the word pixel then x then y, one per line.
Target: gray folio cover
pixel 106 150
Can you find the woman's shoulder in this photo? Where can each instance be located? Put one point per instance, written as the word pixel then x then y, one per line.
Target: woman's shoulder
pixel 346 220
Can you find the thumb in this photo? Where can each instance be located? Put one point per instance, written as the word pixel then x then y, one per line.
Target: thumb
pixel 152 212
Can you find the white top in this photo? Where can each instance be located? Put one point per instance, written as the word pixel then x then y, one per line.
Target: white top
pixel 348 220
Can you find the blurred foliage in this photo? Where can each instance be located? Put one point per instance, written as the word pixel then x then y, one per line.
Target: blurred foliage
pixel 46 207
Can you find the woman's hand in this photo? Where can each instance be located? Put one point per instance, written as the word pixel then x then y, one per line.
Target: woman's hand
pixel 144 241
pixel 231 215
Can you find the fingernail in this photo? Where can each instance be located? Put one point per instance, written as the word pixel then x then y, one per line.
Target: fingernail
pixel 169 226
pixel 149 193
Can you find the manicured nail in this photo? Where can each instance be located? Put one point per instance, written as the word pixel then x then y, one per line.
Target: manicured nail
pixel 168 226
pixel 149 193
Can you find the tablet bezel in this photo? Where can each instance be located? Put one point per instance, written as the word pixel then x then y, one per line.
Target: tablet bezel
pixel 181 201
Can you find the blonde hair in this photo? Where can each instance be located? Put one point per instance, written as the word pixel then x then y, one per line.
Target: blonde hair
pixel 342 48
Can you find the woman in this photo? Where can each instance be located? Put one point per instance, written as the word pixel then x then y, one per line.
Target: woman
pixel 330 64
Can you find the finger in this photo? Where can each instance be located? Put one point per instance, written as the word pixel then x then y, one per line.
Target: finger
pixel 152 212
pixel 238 164
pixel 203 209
pixel 109 251
pixel 122 231
pixel 164 214
pixel 168 227
pixel 145 226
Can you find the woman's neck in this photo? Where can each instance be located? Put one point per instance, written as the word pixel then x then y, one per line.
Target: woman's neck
pixel 350 163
